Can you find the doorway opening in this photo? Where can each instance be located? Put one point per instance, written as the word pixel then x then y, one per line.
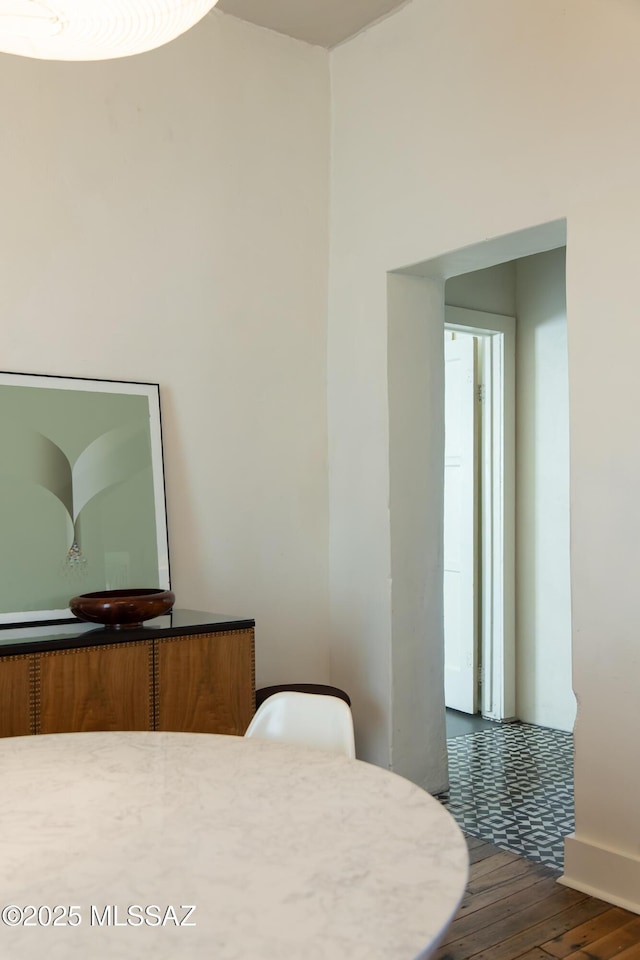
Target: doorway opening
pixel 415 451
pixel 479 513
pixel 507 619
pixel 511 513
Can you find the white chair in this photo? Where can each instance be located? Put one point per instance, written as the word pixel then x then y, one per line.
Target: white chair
pixel 306 720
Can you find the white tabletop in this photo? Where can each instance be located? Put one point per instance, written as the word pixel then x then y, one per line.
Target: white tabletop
pixel 285 853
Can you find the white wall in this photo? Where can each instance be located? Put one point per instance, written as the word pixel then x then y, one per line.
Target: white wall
pixel 165 218
pixel 416 477
pixel 453 123
pixel 492 290
pixel 543 586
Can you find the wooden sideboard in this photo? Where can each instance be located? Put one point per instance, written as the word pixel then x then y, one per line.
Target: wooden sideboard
pixel 187 671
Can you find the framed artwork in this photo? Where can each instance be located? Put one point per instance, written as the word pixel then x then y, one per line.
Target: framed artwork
pixel 82 500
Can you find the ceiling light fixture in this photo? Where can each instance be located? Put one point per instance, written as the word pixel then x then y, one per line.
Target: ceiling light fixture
pixel 94 29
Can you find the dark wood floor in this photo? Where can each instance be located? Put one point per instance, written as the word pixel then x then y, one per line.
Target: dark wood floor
pixel 514 908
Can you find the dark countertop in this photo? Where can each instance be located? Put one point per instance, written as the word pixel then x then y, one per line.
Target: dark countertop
pixel 35 637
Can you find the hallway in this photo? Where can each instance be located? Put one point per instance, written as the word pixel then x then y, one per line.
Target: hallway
pixel 511 785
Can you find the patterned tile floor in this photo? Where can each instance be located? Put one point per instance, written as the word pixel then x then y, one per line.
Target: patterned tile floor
pixel 512 786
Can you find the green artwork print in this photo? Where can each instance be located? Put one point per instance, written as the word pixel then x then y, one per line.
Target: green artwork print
pixel 81 492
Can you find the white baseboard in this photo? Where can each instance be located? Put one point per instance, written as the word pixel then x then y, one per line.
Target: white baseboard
pixel 606 874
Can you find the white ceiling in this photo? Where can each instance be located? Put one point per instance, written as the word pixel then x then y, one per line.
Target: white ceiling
pixel 322 22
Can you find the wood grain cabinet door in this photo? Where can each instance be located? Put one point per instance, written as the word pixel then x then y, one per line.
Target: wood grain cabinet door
pixel 106 687
pixel 205 683
pixel 17 692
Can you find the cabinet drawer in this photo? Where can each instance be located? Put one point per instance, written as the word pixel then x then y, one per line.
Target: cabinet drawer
pixel 17 718
pixel 205 683
pixel 96 688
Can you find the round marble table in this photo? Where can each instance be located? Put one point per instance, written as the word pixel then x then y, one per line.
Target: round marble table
pixel 283 852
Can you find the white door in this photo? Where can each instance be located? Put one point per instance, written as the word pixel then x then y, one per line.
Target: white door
pixel 460 472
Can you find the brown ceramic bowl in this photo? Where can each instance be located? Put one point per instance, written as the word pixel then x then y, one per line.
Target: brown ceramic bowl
pixel 122 609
